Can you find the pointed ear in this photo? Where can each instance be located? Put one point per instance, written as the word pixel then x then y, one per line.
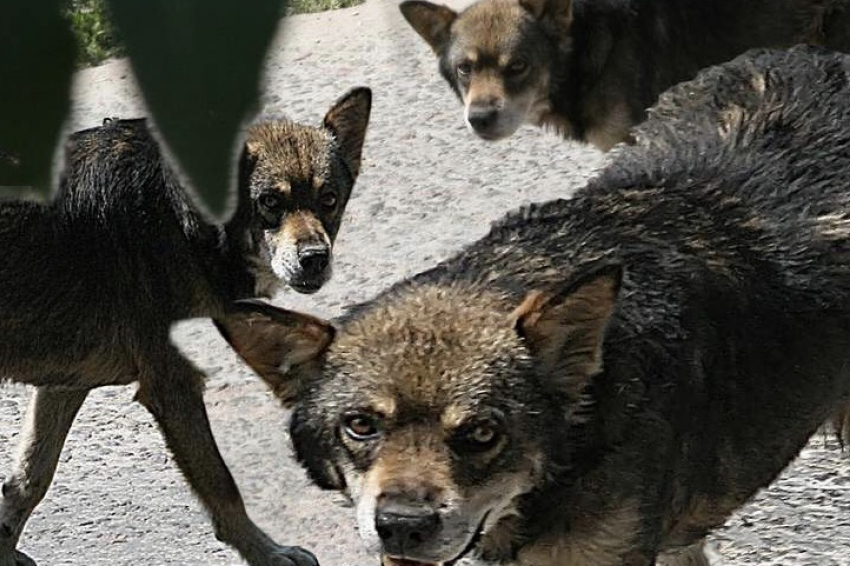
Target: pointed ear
pixel 565 329
pixel 347 121
pixel 558 12
pixel 431 21
pixel 273 341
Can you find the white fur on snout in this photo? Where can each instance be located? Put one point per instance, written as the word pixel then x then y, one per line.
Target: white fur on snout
pixel 364 492
pixel 266 281
pixel 283 251
pixel 276 261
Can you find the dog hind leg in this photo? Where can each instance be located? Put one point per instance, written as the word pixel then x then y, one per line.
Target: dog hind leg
pixel 174 396
pixel 48 419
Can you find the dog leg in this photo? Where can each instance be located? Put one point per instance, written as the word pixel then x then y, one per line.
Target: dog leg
pixel 174 396
pixel 48 419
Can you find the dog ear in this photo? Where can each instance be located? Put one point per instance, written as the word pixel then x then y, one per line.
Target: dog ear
pixel 565 329
pixel 431 21
pixel 274 342
pixel 347 121
pixel 558 12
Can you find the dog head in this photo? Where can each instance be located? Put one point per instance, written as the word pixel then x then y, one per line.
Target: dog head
pixel 496 55
pixel 296 189
pixel 435 406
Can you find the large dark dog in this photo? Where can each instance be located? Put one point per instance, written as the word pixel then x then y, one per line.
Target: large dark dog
pixel 91 284
pixel 601 380
pixel 591 68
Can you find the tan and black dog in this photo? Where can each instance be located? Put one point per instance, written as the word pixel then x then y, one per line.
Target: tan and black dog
pixel 590 68
pixel 601 380
pixel 91 283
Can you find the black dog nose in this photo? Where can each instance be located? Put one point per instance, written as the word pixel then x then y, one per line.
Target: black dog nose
pixel 482 118
pixel 405 528
pixel 313 259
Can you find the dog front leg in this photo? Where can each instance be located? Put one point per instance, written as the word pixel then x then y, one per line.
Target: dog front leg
pixel 49 416
pixel 174 396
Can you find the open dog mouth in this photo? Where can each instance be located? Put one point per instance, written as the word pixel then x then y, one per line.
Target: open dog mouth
pixel 387 560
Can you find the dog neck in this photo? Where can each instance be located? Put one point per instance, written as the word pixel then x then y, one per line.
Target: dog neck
pixel 584 102
pixel 242 272
pixel 596 32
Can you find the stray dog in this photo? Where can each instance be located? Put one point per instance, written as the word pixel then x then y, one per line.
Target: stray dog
pixel 589 69
pixel 601 380
pixel 91 283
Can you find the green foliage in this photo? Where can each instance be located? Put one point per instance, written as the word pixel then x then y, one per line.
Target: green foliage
pixel 199 84
pixel 308 6
pixel 97 39
pixel 37 54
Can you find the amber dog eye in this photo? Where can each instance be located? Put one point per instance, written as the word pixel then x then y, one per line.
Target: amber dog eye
pixel 464 69
pixel 483 434
pixel 361 426
pixel 478 438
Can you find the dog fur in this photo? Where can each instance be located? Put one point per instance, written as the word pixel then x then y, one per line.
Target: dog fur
pixel 589 69
pixel 91 283
pixel 601 380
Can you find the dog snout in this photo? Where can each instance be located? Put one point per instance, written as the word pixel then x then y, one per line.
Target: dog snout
pixel 482 118
pixel 313 259
pixel 403 527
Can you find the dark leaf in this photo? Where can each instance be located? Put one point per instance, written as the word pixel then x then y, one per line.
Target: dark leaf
pixel 37 53
pixel 198 63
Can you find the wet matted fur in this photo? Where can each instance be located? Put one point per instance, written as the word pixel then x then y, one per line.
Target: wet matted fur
pixel 601 380
pixel 91 283
pixel 590 68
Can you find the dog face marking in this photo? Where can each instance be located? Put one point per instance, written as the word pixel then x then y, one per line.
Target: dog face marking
pixel 454 377
pixel 494 55
pixel 300 184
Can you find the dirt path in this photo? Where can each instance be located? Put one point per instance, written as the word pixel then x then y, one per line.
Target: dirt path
pixel 428 186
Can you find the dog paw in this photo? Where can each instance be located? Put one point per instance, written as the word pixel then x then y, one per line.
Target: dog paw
pixel 292 556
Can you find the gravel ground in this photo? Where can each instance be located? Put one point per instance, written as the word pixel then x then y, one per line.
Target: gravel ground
pixel 427 187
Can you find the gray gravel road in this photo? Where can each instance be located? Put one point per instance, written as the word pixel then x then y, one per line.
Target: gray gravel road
pixel 427 187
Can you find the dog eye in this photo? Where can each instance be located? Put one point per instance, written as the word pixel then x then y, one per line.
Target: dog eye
pixel 464 69
pixel 479 438
pixel 328 200
pixel 517 67
pixel 482 434
pixel 270 201
pixel 361 426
